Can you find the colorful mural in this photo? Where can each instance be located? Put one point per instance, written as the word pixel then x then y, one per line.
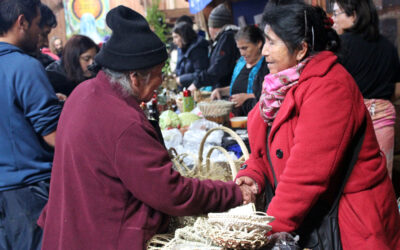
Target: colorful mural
pixel 87 17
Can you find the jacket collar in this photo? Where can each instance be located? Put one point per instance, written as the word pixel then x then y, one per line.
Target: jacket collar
pixel 226 28
pixel 318 66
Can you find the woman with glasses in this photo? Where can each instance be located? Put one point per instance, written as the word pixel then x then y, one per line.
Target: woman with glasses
pixel 72 69
pixel 303 132
pixel 373 62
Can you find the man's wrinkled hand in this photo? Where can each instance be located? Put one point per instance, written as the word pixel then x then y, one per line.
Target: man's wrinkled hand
pixel 248 195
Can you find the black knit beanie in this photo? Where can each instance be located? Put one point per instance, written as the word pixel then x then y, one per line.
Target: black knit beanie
pixel 219 17
pixel 132 44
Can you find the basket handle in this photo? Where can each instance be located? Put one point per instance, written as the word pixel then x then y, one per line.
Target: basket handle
pixel 172 152
pixel 228 157
pixel 231 133
pixel 181 166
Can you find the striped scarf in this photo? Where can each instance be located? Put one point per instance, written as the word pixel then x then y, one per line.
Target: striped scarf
pixel 274 90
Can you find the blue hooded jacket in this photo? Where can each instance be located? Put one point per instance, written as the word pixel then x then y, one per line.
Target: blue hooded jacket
pixel 29 111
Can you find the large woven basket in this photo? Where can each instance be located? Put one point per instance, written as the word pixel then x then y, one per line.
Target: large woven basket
pixel 210 165
pixel 206 168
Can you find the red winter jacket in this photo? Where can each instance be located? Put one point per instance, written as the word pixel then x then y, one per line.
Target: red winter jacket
pixel 309 137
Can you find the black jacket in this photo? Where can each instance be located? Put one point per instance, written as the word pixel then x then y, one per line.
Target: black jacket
pixel 192 61
pixel 58 78
pixel 224 55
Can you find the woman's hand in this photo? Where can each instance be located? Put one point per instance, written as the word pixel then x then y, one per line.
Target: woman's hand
pixel 192 87
pixel 178 81
pixel 216 95
pixel 247 181
pixel 61 97
pixel 239 99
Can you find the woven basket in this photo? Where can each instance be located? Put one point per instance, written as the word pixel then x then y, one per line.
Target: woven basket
pixel 243 228
pixel 216 111
pixel 179 104
pixel 208 169
pixel 209 165
pixel 239 228
pixel 221 170
pixel 201 96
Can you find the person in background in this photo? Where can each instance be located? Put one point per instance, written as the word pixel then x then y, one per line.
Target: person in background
pixel 304 127
pixel 192 54
pixel 28 120
pixel 72 69
pixel 119 177
pixel 48 22
pixel 224 52
pixel 249 72
pixel 56 46
pixel 373 62
pixel 189 20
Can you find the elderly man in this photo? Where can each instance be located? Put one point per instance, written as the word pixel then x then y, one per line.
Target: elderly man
pixel 112 182
pixel 28 119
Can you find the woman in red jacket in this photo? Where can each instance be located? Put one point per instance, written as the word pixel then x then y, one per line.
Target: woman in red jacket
pixel 313 109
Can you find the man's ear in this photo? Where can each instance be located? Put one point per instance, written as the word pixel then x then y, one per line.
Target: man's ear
pixel 22 23
pixel 135 83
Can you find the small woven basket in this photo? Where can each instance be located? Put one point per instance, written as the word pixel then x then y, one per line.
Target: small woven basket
pixel 216 111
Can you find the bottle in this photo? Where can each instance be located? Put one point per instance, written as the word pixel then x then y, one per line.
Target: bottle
pixel 143 106
pixel 188 101
pixel 153 109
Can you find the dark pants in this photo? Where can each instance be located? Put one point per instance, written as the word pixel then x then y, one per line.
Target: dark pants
pixel 19 210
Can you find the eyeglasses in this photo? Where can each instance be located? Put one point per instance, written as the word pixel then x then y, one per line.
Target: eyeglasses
pixel 335 14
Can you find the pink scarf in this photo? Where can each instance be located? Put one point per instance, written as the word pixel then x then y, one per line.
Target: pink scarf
pixel 274 90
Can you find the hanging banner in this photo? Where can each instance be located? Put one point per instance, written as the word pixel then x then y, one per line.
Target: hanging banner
pixel 197 5
pixel 87 17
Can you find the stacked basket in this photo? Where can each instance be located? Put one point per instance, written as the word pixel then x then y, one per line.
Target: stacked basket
pixel 239 228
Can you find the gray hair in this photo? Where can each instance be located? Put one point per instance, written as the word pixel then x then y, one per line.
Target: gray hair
pixel 121 79
pixel 124 81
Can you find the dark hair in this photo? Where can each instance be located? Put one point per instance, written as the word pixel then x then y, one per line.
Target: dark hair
pixel 296 23
pixel 251 34
pixel 366 22
pixel 186 19
pixel 11 9
pixel 186 32
pixel 272 3
pixel 73 49
pixel 48 18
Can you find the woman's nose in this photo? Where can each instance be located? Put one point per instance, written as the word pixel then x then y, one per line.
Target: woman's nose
pixel 264 50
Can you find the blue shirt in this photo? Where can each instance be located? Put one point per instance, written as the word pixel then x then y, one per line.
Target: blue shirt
pixel 29 110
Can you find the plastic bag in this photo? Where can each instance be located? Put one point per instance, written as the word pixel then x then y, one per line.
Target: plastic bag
pixel 282 241
pixel 172 137
pixel 203 124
